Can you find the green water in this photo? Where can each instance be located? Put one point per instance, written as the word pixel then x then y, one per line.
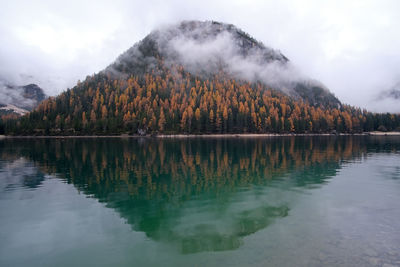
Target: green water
pixel 290 201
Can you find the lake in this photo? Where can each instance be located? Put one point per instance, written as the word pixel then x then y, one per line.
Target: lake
pixel 277 201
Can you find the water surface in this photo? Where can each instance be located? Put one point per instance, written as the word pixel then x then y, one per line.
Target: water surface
pixel 282 201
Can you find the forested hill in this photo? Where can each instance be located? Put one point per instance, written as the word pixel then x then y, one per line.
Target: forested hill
pixel 206 48
pixel 197 77
pixel 182 103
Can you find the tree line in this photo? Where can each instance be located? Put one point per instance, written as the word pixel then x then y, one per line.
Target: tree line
pixel 174 101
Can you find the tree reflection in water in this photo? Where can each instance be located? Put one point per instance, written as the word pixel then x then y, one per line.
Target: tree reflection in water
pixel 196 194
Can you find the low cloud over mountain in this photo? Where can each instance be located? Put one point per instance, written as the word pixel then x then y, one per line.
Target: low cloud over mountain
pixel 206 48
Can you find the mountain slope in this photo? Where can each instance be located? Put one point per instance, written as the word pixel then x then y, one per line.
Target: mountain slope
pixel 197 77
pixel 207 48
pixel 19 100
pixel 34 93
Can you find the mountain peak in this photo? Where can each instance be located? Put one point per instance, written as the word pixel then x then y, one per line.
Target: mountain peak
pixel 191 42
pixel 202 32
pixel 205 48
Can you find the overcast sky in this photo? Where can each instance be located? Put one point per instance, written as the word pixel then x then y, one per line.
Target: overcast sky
pixel 353 47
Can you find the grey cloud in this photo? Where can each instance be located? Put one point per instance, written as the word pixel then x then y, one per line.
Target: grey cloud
pixel 200 50
pixel 14 95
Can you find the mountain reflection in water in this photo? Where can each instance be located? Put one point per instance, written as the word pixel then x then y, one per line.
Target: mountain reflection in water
pixel 195 194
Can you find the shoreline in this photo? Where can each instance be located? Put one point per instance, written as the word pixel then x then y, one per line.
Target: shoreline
pixel 181 136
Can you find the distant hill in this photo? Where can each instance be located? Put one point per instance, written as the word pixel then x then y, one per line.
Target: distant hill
pixel 19 100
pixel 393 93
pixel 198 77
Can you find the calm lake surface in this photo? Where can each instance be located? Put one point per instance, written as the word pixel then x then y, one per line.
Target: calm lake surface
pixel 280 201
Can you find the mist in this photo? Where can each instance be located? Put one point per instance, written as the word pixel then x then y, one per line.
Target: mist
pixel 351 47
pixel 10 95
pixel 223 52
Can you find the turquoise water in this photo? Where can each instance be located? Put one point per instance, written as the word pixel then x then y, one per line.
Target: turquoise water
pixel 282 201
